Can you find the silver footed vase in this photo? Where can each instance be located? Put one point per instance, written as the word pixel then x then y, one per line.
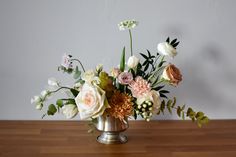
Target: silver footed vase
pixel 111 129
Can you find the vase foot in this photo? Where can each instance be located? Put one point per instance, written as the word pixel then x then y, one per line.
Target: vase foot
pixel 112 138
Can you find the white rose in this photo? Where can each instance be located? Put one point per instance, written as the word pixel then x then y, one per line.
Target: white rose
pixel 36 100
pixel 69 110
pixel 53 82
pixel 91 101
pixel 166 49
pixel 133 62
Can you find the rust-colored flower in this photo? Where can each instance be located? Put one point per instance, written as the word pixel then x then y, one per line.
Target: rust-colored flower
pixel 172 74
pixel 121 105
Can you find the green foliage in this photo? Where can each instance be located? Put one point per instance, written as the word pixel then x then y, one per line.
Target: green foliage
pixel 51 109
pixel 174 42
pixel 74 92
pixel 106 83
pixel 59 103
pixel 198 117
pixel 122 60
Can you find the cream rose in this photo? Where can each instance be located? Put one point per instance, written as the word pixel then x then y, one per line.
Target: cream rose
pixel 91 101
pixel 172 74
pixel 132 62
pixel 166 49
pixel 69 111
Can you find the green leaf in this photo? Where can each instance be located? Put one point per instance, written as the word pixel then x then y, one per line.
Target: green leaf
pixel 144 56
pixel 162 108
pixel 59 103
pixel 189 111
pixel 149 54
pixel 179 111
pixel 168 40
pixel 173 41
pixel 174 102
pixel 51 109
pixel 77 73
pixel 164 91
pixel 158 88
pixel 175 45
pixel 163 95
pixel 74 92
pixel 122 61
pixel 199 115
pixel 183 107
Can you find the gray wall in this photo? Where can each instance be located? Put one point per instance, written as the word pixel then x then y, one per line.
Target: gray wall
pixel 34 35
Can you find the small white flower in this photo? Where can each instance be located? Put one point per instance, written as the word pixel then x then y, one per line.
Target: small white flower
pixel 45 93
pixel 127 24
pixel 36 100
pixel 66 61
pixel 132 62
pixel 39 106
pixel 89 76
pixel 53 82
pixel 166 49
pixel 69 110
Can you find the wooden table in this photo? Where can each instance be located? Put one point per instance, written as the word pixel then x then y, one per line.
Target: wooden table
pixel 153 139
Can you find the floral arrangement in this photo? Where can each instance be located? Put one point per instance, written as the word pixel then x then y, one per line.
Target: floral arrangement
pixel 134 88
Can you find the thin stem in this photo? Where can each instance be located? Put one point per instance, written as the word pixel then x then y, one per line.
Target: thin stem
pixel 59 89
pixel 131 43
pixel 79 63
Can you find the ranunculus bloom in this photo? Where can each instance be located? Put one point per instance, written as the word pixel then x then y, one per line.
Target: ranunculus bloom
pixel 172 74
pixel 69 110
pixel 125 78
pixel 66 61
pixel 166 49
pixel 140 87
pixel 132 62
pixel 90 101
pixel 127 24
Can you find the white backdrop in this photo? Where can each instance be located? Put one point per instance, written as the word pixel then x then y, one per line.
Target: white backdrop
pixel 34 35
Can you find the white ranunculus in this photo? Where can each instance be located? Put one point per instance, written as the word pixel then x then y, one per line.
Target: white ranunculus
pixel 166 49
pixel 91 101
pixel 132 62
pixel 39 106
pixel 69 111
pixel 53 82
pixel 35 100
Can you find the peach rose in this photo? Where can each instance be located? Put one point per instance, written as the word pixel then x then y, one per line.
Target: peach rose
pixel 172 74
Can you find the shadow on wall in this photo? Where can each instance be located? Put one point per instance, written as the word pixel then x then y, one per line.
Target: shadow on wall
pixel 211 79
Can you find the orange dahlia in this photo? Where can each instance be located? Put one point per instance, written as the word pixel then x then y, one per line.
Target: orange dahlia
pixel 121 105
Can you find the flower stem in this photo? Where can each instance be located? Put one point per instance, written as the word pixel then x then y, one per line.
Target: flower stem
pixel 131 43
pixel 59 89
pixel 79 63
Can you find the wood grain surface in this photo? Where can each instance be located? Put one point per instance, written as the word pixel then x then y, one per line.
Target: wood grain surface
pixel 146 139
